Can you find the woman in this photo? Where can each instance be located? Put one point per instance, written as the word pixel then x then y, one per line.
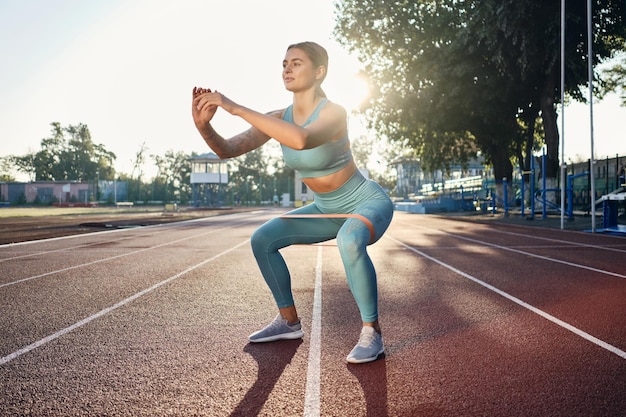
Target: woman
pixel 313 135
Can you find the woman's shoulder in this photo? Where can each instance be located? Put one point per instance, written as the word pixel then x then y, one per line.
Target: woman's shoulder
pixel 334 108
pixel 278 114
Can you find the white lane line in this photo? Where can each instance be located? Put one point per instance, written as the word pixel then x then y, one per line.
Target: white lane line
pixel 127 229
pixel 530 254
pixel 110 258
pixel 52 239
pixel 312 392
pixel 565 242
pixel 88 245
pixel 545 258
pixel 519 302
pixel 107 310
pixel 164 228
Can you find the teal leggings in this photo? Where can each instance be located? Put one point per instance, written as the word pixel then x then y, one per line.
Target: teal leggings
pixel 357 196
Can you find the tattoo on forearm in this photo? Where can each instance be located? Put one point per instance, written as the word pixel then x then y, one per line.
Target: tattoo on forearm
pixel 237 145
pixel 244 142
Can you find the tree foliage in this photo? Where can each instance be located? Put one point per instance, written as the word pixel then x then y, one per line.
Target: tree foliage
pixel 69 154
pixel 452 77
pixel 616 78
pixel 173 179
pixel 5 169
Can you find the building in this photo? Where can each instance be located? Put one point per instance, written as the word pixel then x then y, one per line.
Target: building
pixel 46 192
pixel 209 177
pixel 412 180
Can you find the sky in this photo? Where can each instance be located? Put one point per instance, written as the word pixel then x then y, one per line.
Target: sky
pixel 126 70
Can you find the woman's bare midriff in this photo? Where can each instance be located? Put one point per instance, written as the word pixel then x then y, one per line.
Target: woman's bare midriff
pixel 332 181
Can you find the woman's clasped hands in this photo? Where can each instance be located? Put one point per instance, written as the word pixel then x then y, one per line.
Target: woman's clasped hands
pixel 205 103
pixel 201 110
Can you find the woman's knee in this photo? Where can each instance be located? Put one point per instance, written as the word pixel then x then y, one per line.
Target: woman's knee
pixel 352 240
pixel 261 238
pixel 268 237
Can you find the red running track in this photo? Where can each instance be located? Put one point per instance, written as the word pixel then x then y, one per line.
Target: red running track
pixel 478 320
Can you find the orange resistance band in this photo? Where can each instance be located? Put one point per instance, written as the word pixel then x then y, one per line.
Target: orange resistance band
pixel 364 219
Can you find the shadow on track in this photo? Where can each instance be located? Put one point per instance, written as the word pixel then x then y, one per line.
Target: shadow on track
pixel 373 380
pixel 271 361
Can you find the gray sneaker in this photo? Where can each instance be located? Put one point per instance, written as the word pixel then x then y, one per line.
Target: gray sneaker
pixel 369 348
pixel 278 329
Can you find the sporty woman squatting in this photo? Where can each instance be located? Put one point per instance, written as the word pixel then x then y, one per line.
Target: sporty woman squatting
pixel 313 134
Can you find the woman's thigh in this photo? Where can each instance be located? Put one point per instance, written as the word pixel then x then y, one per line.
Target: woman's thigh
pixel 284 231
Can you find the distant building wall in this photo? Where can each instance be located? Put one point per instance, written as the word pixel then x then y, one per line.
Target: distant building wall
pixel 45 192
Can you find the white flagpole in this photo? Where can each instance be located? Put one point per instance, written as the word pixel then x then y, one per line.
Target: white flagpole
pixel 563 183
pixel 590 70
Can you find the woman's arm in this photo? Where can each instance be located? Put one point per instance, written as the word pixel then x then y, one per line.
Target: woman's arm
pixel 225 148
pixel 239 144
pixel 331 123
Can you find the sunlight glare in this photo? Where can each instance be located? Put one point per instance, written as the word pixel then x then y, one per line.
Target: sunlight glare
pixel 354 93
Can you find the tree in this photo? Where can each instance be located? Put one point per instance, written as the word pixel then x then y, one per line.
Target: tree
pixel 24 164
pixel 249 176
pixel 616 78
pixel 362 148
pixel 68 154
pixel 524 38
pixel 5 169
pixel 135 178
pixel 453 77
pixel 430 92
pixel 173 180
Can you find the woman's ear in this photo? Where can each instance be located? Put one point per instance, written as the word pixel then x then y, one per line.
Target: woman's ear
pixel 321 73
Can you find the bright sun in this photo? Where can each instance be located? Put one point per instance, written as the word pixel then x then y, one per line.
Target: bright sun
pixel 352 92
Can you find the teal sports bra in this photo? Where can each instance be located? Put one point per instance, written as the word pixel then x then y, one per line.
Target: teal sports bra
pixel 322 160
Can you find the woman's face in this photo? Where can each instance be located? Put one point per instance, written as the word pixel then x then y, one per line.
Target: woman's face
pixel 298 71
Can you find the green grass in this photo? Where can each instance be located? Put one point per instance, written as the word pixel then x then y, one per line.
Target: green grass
pixel 64 211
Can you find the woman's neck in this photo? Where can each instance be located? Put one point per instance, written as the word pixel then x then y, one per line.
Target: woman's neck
pixel 305 102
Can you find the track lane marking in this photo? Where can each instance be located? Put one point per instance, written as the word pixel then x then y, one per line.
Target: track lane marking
pixel 68 249
pixel 312 391
pixel 164 226
pixel 69 268
pixel 558 322
pixel 110 258
pixel 544 258
pixel 565 242
pixel 107 310
pixel 521 252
